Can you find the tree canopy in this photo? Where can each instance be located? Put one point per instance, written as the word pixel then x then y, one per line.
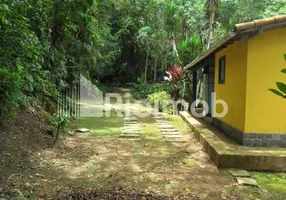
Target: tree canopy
pixel 45 45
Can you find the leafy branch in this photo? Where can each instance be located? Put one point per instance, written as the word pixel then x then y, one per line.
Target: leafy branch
pixel 281 86
pixel 60 123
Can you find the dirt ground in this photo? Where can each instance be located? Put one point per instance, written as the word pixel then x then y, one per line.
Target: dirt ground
pixel 97 165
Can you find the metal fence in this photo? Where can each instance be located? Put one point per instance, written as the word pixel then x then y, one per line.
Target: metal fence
pixel 69 101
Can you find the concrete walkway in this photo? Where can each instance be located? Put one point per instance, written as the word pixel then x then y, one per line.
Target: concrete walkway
pixel 170 133
pixel 132 130
pixel 227 154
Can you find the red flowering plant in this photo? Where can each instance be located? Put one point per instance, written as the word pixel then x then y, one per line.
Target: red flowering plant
pixel 175 75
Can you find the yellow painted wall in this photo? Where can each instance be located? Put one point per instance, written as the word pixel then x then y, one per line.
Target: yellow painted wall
pixel 233 90
pixel 265 112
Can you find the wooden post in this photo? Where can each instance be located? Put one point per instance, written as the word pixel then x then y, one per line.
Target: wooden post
pixel 78 98
pixel 58 105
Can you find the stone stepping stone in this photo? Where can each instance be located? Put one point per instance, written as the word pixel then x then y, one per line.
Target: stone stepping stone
pixel 175 140
pixel 130 122
pixel 161 120
pixel 82 130
pixel 130 119
pixel 171 133
pixel 131 125
pixel 246 181
pixel 240 173
pixel 163 123
pixel 132 128
pixel 128 128
pixel 129 135
pixel 131 131
pixel 168 130
pixel 173 136
pixel 129 139
pixel 166 127
pixel 158 118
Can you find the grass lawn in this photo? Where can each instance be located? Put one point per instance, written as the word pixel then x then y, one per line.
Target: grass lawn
pixel 273 183
pixel 111 126
pixel 99 160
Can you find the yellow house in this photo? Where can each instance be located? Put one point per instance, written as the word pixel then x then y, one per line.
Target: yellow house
pixel 240 69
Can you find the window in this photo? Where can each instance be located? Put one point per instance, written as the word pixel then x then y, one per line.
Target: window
pixel 221 72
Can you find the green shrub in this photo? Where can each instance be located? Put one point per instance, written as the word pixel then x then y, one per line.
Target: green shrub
pixel 10 90
pixel 141 91
pixel 60 123
pixel 160 98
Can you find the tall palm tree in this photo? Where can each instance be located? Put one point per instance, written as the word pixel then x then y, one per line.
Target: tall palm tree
pixel 171 23
pixel 212 6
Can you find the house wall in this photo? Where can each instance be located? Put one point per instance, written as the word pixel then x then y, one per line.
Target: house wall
pixel 265 112
pixel 233 91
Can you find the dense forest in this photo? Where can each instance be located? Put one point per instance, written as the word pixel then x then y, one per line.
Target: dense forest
pixel 50 149
pixel 45 45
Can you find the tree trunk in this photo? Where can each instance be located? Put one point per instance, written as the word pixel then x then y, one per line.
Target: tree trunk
pixel 173 43
pixel 155 69
pixel 146 65
pixel 162 63
pixel 208 44
pixel 199 89
pixel 165 62
pixel 210 34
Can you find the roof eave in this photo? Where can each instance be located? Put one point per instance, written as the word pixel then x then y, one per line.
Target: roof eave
pixel 249 29
pixel 228 37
